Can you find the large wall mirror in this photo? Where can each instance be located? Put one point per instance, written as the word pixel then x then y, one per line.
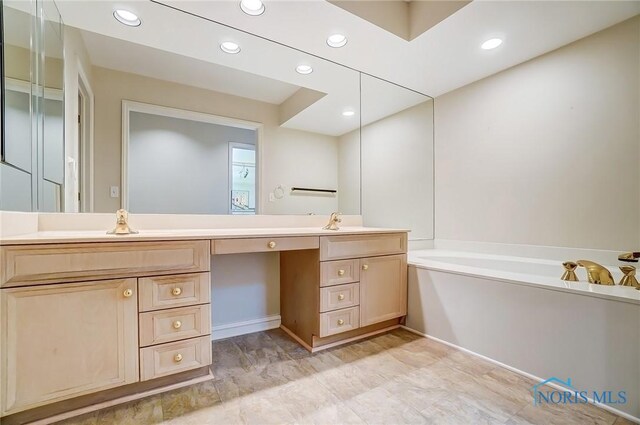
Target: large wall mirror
pixel 161 119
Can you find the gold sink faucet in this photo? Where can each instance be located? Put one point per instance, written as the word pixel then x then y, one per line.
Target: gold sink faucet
pixel 596 273
pixel 122 225
pixel 333 221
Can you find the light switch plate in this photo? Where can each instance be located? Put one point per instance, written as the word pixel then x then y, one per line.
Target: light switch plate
pixel 115 192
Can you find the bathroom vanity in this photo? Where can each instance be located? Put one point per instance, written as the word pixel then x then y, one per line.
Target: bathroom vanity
pixel 90 320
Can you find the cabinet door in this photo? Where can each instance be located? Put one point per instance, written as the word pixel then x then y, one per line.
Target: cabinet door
pixel 383 288
pixel 62 341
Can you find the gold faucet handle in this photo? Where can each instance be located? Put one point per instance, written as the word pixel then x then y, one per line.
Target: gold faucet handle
pixel 569 271
pixel 629 278
pixel 122 225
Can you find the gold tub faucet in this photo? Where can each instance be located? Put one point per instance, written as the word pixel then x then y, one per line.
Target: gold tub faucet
pixel 569 271
pixel 596 273
pixel 629 257
pixel 629 278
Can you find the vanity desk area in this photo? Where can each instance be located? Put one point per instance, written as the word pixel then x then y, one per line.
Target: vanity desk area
pixel 90 320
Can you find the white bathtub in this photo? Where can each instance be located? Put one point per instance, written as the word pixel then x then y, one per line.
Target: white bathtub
pixel 521 270
pixel 518 312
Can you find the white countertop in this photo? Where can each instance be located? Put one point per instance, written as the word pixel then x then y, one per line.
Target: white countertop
pixel 69 236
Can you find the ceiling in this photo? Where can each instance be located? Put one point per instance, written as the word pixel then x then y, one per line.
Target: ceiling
pixel 176 46
pixel 443 58
pixel 121 55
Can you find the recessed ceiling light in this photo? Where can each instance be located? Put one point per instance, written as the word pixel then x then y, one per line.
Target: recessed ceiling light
pixel 252 7
pixel 337 40
pixel 492 43
pixel 304 69
pixel 348 113
pixel 126 17
pixel 230 47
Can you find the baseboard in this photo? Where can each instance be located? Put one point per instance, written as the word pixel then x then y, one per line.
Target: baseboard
pixel 523 373
pixel 246 327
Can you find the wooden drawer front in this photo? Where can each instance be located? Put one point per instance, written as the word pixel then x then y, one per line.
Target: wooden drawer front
pixel 157 293
pixel 176 357
pixel 338 247
pixel 341 296
pixel 238 246
pixel 339 321
pixel 38 264
pixel 339 272
pixel 158 327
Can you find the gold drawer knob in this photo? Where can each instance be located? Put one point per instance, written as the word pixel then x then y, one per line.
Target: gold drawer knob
pixel 340 272
pixel 271 244
pixel 176 291
pixel 127 293
pixel 341 297
pixel 177 324
pixel 177 358
pixel 365 267
pixel 340 322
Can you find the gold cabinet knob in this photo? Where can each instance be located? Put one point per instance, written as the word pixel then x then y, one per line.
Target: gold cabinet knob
pixel 177 358
pixel 177 324
pixel 127 293
pixel 340 322
pixel 340 272
pixel 341 297
pixel 176 291
pixel 365 267
pixel 271 244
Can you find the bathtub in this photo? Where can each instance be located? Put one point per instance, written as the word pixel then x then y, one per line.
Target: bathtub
pixel 517 312
pixel 521 271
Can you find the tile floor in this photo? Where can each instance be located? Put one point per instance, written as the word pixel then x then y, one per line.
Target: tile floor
pixel 394 378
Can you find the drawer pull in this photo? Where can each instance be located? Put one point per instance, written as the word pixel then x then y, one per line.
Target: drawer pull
pixel 127 293
pixel 340 322
pixel 177 324
pixel 177 358
pixel 340 272
pixel 271 244
pixel 365 267
pixel 341 297
pixel 176 291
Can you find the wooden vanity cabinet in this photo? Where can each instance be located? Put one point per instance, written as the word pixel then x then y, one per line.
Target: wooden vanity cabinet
pixel 352 287
pixel 91 323
pixel 66 340
pixel 383 288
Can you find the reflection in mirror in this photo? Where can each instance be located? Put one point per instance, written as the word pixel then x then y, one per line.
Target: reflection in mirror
pixel 397 158
pixel 53 102
pixel 173 112
pixel 32 169
pixel 16 166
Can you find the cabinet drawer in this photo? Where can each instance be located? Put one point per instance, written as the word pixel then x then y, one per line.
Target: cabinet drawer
pixel 341 296
pixel 338 272
pixel 162 292
pixel 339 321
pixel 38 264
pixel 338 247
pixel 238 246
pixel 158 327
pixel 175 357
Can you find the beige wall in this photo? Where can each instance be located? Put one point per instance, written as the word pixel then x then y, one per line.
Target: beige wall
pixel 349 172
pixel 289 157
pixel 546 153
pixel 76 57
pixel 397 172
